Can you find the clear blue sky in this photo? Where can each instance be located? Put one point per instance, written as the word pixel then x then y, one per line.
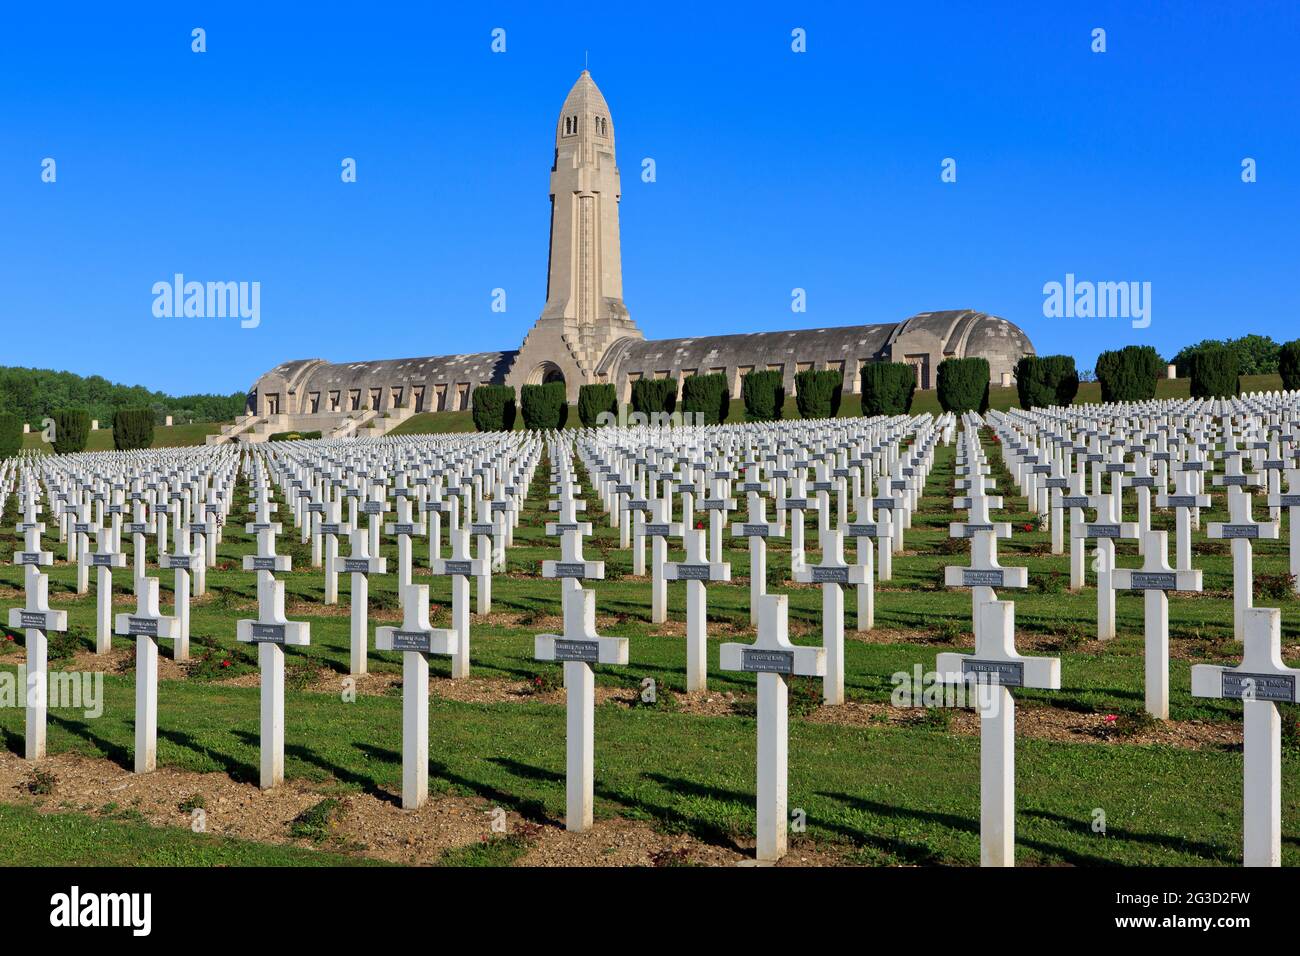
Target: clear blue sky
pixel 775 170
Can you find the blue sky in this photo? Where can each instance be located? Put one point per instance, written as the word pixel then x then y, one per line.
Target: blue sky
pixel 775 170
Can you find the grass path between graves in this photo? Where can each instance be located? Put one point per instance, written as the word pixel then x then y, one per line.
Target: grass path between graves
pixel 873 793
pixel 31 838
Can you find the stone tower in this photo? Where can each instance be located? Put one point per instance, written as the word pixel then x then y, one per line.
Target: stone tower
pixel 584 312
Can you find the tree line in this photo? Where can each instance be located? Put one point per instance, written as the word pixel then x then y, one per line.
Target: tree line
pixel 32 394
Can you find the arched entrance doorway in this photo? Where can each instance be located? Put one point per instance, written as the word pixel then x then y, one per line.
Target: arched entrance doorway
pixel 545 373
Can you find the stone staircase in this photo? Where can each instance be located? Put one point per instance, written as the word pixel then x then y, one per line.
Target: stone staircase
pixel 366 423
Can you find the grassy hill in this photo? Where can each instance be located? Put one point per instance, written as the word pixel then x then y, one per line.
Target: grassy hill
pixel 176 436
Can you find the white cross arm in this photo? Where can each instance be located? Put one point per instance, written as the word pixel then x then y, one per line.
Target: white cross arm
pixel 578 503
pixel 573 569
pixel 696 571
pixel 968 529
pixel 1135 579
pixel 1105 529
pixel 996 659
pixel 773 652
pixel 1183 501
pixel 270 562
pixel 967 503
pixel 1261 674
pixel 471 568
pixel 833 574
pixel 963 577
pixel 20 618
pixel 753 529
pixel 662 529
pixel 409 528
pixel 253 527
pixel 146 625
pixel 1243 529
pixel 434 640
pixel 291 633
pixel 793 659
pixel 556 528
pixel 589 650
pixel 36 557
pixel 344 565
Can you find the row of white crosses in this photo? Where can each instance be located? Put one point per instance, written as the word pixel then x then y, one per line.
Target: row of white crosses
pixel 271 631
pixel 1261 680
pixel 579 647
pixel 626 468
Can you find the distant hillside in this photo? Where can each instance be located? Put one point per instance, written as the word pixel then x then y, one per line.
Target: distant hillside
pixel 33 393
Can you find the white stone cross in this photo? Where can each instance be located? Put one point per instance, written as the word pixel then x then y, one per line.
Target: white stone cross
pixel 572 566
pixel 864 529
pixel 138 529
pixel 416 639
pixel 181 561
pixel 579 647
pixel 798 502
pixel 272 632
pixel 1155 578
pixel 1291 501
pixel 36 620
pixel 491 538
pixel 460 567
pixel 696 570
pixel 1105 530
pixel 1260 683
pixel 992 670
pixel 331 529
pixel 983 575
pixel 637 505
pixel 834 575
pixel 104 559
pixel 717 504
pixel 1242 529
pixel 1076 501
pixel 659 529
pixel 147 625
pixel 1185 502
pixel 360 565
pixel 757 529
pixel 405 529
pixel 375 507
pixel 773 658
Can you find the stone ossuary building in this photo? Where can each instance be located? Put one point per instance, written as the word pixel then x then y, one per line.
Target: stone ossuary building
pixel 585 333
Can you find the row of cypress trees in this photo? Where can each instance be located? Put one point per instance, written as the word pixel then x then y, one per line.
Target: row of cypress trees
pixel 887 390
pixel 132 429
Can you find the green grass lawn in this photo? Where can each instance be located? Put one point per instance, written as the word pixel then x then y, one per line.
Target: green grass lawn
pixel 31 838
pixel 875 794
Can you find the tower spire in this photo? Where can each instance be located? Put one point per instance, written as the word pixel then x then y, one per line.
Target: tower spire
pixel 584 285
